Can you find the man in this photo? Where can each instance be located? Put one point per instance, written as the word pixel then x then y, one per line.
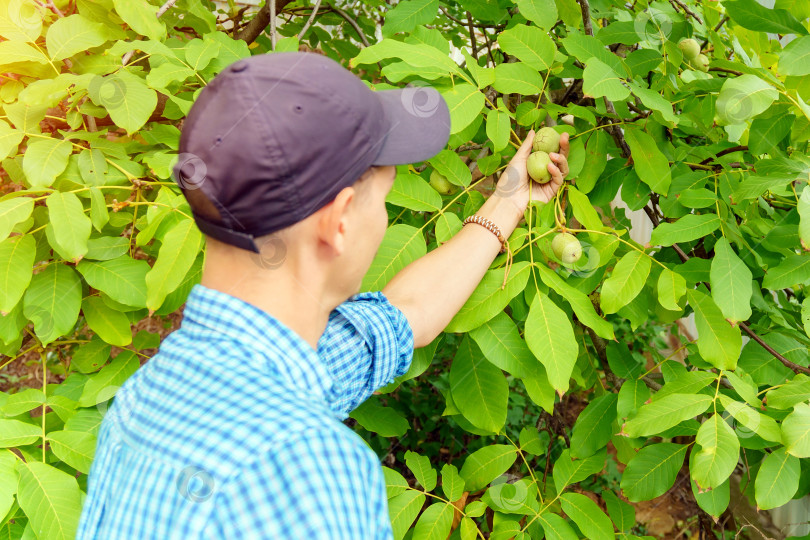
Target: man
pixel 233 430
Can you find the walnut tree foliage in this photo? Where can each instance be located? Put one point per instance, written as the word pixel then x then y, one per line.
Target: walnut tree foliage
pixel 95 237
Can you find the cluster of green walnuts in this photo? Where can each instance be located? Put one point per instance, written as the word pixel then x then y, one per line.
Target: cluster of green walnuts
pixel 692 56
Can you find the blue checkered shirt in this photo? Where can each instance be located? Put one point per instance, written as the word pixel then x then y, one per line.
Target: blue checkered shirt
pixel 233 430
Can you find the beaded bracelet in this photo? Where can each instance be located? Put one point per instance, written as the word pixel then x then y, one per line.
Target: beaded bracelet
pixel 494 229
pixel 491 227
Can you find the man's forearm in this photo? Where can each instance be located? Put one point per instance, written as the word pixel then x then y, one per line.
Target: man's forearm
pixel 432 289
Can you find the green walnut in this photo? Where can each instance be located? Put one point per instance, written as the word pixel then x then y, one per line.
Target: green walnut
pixel 566 248
pixel 537 165
pixel 440 183
pixel 546 140
pixel 690 48
pixel 701 63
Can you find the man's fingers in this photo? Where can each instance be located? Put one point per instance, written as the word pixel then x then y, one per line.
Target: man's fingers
pixel 556 174
pixel 526 148
pixel 564 144
pixel 560 162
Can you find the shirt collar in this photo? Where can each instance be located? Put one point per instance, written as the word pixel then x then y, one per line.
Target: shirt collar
pixel 282 350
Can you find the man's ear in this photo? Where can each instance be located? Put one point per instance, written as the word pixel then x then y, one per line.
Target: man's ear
pixel 332 226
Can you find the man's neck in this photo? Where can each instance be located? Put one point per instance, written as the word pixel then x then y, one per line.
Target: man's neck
pixel 280 293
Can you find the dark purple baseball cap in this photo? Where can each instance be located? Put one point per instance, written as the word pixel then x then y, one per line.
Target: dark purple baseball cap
pixel 274 137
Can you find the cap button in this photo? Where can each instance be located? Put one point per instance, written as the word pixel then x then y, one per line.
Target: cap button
pixel 241 65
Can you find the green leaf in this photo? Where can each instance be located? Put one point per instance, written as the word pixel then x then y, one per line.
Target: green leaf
pixel 529 44
pixel 600 80
pixel 411 191
pixel 796 431
pixel 407 14
pixel 488 299
pixel 567 471
pixel 23 401
pixel 651 165
pixel 555 527
pixel 689 227
pixel 517 78
pixel 795 58
pixel 395 483
pixel 44 160
pixel 168 73
pixel 401 245
pixel 72 34
pixel 753 16
pixel 16 51
pixel 403 509
pixel 731 283
pixel 16 268
pixel 788 395
pixel 13 211
pixel 465 102
pixel 753 186
pixel 590 519
pixel 718 454
pixel 777 480
pixel 540 12
pixel 127 98
pixel 652 471
pixel 498 129
pixel 763 425
pixel 594 427
pixel 452 483
pixel 415 54
pixel 793 270
pixel 742 98
pixel 671 288
pixel 385 421
pixel 52 301
pixel 435 522
pixel 479 389
pixel 551 338
pixel 654 100
pixel 501 344
pixel 99 215
pixel 766 133
pixel 579 301
pixel 141 17
pixel 200 52
pixel 9 139
pixel 713 501
pixel 486 464
pixel 102 385
pixel 450 165
pixel 626 281
pixel 75 448
pixel 51 499
pixel 662 414
pixel 421 469
pixel 719 343
pixel 71 227
pixel 803 208
pixel 622 514
pixel 89 357
pixel 177 253
pixel 122 278
pixel 110 324
pixel 15 433
pixel 447 226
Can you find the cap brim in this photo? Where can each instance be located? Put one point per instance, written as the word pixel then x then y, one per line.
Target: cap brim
pixel 418 125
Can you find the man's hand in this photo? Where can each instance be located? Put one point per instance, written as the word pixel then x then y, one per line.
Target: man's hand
pixel 514 183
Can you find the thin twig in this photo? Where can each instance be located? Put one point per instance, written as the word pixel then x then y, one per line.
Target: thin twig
pixel 354 25
pixel 722 153
pixel 311 19
pixel 472 36
pixel 676 3
pixel 163 9
pixel 726 70
pixel 272 25
pixel 787 363
pixel 721 23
